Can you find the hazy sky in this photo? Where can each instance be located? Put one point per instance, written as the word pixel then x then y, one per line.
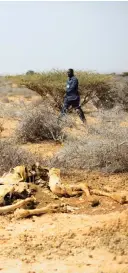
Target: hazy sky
pixel 46 35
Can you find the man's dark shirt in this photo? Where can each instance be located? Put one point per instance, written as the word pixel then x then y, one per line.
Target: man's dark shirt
pixel 72 89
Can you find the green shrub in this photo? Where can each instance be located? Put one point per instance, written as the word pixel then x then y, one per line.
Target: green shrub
pixel 53 84
pixel 105 91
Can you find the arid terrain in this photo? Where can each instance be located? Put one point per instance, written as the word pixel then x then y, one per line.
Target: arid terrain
pixel 88 239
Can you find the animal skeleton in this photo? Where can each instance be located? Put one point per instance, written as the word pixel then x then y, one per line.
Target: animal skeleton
pixel 16 183
pixel 72 190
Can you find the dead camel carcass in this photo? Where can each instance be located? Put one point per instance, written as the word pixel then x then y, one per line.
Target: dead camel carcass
pixel 6 192
pixel 16 183
pixel 25 174
pixel 14 176
pixel 17 188
pixel 60 190
pixel 9 193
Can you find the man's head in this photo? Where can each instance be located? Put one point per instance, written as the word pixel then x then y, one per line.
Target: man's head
pixel 70 72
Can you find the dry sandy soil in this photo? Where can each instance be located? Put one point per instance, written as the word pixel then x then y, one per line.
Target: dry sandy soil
pixel 88 240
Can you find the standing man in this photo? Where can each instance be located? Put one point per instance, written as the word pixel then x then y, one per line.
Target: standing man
pixel 72 97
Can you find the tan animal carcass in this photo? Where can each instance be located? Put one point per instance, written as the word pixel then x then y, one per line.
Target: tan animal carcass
pixel 5 191
pixel 9 193
pixel 15 175
pixel 60 190
pixel 16 184
pixel 23 173
pixel 56 186
pixel 13 185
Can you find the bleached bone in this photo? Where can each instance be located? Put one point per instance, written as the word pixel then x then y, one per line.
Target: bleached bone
pixel 121 197
pixel 23 213
pixel 19 204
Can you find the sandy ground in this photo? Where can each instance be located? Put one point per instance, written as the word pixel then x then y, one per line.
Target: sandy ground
pixel 88 240
pixel 65 243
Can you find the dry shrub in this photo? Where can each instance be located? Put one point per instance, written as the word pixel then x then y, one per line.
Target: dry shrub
pixel 107 156
pixel 119 92
pixel 104 147
pixel 111 93
pixel 40 123
pixel 36 102
pixel 124 74
pixel 109 125
pixel 12 155
pixel 113 126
